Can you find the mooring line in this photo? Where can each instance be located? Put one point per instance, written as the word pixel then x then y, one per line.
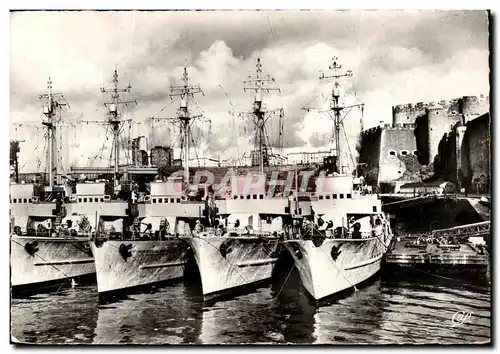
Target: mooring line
pixel 218 250
pixel 68 278
pixel 369 303
pixel 286 279
pixel 133 307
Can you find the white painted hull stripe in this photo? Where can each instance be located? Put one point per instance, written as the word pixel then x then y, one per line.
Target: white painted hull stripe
pixel 362 264
pixel 161 265
pixel 68 261
pixel 257 262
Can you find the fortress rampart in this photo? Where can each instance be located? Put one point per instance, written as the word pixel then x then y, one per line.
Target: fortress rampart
pixel 409 148
pixel 469 106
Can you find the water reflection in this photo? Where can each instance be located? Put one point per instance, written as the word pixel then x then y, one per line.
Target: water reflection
pixel 351 319
pixel 387 310
pixel 170 315
pixel 244 319
pixel 422 309
pixel 67 316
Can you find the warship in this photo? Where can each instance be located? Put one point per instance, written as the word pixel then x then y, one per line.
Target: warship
pixel 48 245
pixel 237 246
pixel 149 250
pixel 344 235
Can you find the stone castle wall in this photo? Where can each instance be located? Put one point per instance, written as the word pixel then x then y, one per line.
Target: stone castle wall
pixel 476 154
pixel 397 143
pixel 369 154
pixel 410 147
pixel 469 106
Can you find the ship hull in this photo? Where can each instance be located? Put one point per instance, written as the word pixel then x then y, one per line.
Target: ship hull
pixel 126 265
pixel 230 265
pixel 37 262
pixel 337 264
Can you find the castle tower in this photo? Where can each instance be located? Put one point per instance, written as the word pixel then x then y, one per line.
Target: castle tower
pixel 401 114
pixel 459 136
pixel 438 125
pixel 473 106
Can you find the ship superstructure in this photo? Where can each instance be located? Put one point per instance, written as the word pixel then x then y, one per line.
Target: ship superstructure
pixel 342 242
pixel 47 247
pixel 107 203
pixel 238 244
pixel 150 251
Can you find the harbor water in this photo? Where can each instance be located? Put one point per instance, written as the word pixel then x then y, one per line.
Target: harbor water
pixel 386 310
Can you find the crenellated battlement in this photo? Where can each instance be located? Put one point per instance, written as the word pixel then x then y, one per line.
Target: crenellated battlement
pixel 402 107
pixel 468 106
pixel 402 126
pixel 388 127
pixel 371 131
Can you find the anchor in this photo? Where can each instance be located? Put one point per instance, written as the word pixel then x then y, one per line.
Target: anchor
pixel 85 247
pixel 124 251
pixel 335 252
pixel 225 248
pixel 31 248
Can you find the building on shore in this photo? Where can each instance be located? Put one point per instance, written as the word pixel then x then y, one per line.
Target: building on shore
pixel 307 156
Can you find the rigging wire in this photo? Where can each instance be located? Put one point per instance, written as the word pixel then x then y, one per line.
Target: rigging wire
pixel 348 146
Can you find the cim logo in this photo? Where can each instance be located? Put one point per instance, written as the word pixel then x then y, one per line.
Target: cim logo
pixel 460 318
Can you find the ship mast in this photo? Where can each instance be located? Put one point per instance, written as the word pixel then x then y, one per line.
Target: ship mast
pixel 115 119
pixel 259 85
pixel 184 118
pixel 334 106
pixel 52 102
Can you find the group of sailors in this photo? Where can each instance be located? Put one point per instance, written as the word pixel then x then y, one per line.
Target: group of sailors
pixel 316 226
pixel 72 226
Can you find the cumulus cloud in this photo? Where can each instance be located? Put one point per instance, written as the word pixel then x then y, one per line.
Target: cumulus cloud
pixel 396 56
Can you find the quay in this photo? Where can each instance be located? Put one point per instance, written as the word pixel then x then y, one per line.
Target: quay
pixel 452 248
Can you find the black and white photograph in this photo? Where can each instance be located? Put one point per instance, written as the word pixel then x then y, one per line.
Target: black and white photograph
pixel 250 177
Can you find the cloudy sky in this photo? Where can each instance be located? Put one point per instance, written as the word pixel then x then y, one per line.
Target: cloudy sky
pixel 396 56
